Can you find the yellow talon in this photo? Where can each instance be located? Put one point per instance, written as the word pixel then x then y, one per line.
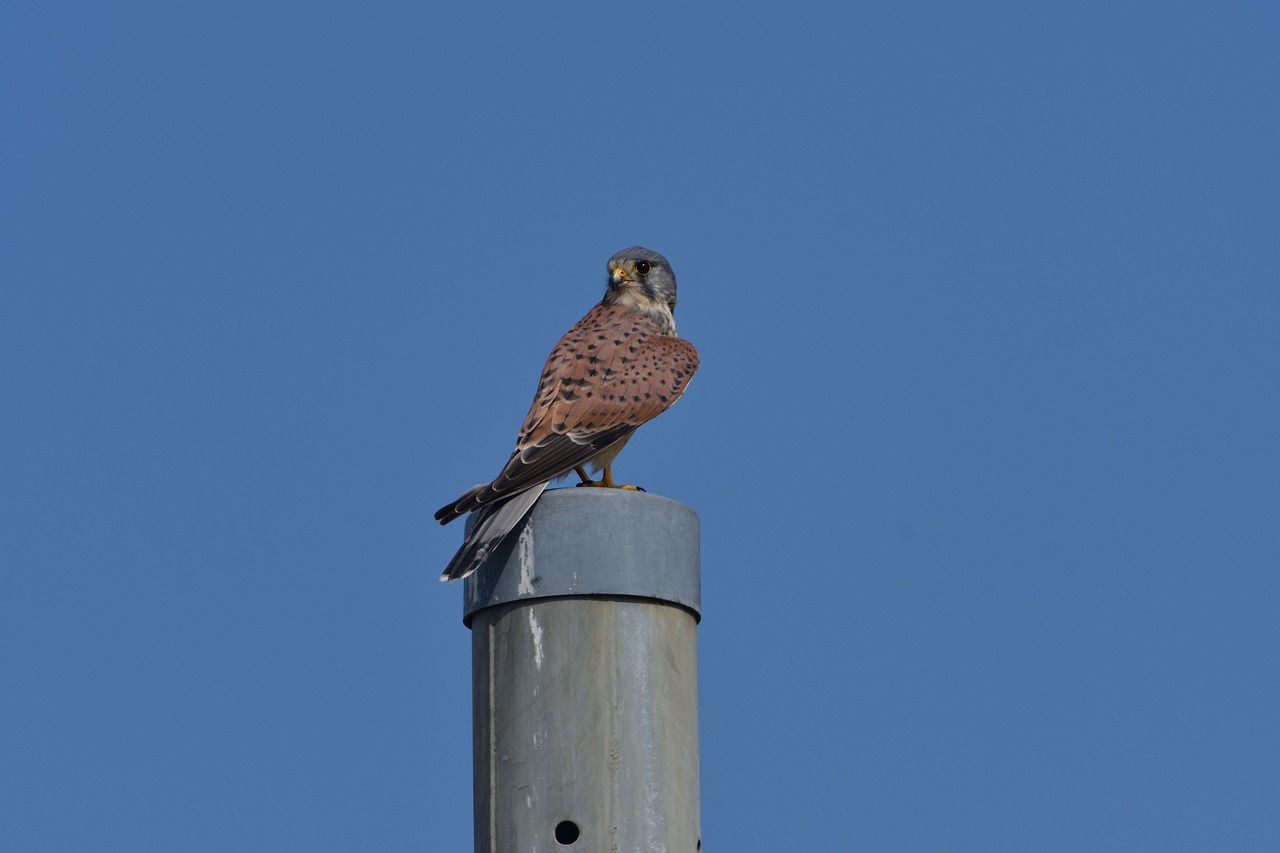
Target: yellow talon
pixel 605 481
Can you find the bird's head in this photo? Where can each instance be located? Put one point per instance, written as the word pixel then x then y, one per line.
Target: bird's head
pixel 643 279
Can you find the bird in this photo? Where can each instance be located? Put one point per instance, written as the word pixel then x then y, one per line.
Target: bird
pixel 618 367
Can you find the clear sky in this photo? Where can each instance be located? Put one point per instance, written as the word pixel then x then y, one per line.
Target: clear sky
pixel 984 441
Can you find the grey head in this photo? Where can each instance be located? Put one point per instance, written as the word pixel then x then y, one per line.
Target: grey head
pixel 641 277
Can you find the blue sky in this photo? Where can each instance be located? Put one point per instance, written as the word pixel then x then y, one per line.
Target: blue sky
pixel 983 441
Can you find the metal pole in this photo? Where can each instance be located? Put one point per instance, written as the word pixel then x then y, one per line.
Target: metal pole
pixel 584 678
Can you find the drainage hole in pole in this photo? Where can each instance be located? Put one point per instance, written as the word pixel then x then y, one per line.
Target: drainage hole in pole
pixel 566 832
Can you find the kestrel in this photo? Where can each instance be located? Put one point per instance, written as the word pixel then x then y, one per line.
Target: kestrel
pixel 619 366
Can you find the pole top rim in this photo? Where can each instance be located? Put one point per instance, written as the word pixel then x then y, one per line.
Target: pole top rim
pixel 594 542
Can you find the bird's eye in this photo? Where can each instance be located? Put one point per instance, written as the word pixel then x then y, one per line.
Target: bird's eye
pixel 642 267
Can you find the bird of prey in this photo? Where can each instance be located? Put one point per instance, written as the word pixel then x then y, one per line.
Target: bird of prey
pixel 619 366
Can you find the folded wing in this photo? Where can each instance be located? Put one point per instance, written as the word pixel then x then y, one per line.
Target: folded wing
pixel 609 374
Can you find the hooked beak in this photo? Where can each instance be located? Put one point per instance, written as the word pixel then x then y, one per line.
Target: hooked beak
pixel 618 276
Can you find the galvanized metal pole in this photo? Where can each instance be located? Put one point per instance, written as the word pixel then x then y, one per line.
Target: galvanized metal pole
pixel 584 679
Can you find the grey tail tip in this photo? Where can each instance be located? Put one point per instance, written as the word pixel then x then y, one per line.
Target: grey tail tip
pixel 466 561
pixel 450 574
pixel 493 522
pixel 449 577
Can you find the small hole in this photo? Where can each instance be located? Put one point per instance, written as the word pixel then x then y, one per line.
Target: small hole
pixel 699 843
pixel 567 832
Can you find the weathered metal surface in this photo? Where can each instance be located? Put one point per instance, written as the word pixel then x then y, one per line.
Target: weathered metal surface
pixel 585 701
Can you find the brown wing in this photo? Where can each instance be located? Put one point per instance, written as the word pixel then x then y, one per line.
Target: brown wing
pixel 609 374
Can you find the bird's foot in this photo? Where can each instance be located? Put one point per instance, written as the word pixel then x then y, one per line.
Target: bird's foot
pixel 600 484
pixel 605 481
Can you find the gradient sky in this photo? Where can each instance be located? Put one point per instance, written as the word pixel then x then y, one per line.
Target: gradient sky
pixel 984 441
